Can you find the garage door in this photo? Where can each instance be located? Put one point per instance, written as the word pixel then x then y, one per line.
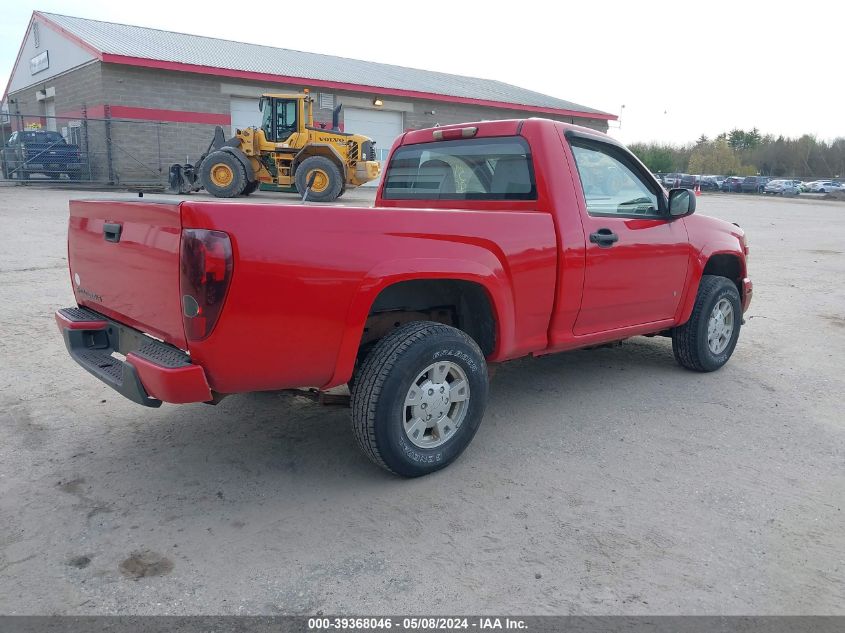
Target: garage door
pixel 245 113
pixel 380 125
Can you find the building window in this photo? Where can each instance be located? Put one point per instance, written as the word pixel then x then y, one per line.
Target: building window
pixel 326 101
pixel 36 37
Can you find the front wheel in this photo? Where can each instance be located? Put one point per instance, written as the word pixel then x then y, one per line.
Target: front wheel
pixel 223 175
pixel 418 398
pixel 707 340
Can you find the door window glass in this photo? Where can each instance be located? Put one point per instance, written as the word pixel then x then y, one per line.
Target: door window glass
pixel 610 186
pixel 286 119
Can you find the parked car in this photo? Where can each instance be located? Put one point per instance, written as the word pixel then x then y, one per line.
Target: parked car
pixel 782 187
pixel 672 180
pixel 754 184
pixel 732 184
pixel 825 186
pixel 689 181
pixel 479 249
pixel 711 183
pixel 31 152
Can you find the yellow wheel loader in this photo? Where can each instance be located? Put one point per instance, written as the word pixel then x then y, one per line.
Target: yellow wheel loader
pixel 287 153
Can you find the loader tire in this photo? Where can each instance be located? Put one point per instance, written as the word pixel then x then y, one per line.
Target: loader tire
pixel 251 187
pixel 327 184
pixel 223 175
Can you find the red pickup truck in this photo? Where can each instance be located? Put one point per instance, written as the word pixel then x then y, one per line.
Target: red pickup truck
pixel 488 241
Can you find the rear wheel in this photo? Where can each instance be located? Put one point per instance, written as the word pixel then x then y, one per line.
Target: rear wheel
pixel 328 180
pixel 223 175
pixel 251 187
pixel 418 398
pixel 707 340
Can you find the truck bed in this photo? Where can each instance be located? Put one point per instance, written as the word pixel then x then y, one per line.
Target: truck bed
pixel 304 278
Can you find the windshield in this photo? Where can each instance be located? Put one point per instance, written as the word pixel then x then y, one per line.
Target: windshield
pixel 478 169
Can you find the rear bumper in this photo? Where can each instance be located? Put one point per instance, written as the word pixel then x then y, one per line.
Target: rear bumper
pixel 152 372
pixel 747 293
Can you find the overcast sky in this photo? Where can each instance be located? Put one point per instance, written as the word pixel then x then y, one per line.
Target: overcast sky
pixel 679 69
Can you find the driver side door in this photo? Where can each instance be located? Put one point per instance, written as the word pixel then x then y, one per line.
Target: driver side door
pixel 636 255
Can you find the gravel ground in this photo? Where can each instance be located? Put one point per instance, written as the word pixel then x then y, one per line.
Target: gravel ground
pixel 601 482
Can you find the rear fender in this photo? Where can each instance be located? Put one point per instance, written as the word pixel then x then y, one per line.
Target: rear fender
pixel 388 273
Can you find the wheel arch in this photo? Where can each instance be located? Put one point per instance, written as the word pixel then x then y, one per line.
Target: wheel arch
pixel 476 287
pixel 726 263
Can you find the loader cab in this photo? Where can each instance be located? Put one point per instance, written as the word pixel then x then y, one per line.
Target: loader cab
pixel 280 117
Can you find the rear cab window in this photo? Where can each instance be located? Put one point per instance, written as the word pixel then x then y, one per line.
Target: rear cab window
pixel 41 137
pixel 492 168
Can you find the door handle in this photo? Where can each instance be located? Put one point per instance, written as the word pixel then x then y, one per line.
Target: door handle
pixel 605 238
pixel 112 231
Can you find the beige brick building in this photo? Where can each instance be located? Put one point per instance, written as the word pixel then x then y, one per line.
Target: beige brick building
pixel 137 99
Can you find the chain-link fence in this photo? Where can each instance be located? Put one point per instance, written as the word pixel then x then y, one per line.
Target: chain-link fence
pixel 99 150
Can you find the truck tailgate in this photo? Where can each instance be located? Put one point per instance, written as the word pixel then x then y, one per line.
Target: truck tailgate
pixel 124 263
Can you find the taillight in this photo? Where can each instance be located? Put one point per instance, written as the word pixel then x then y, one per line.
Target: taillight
pixel 206 270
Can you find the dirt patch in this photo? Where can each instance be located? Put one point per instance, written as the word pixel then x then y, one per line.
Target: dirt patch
pixel 834 319
pixel 834 195
pixel 145 563
pixel 80 562
pixel 72 487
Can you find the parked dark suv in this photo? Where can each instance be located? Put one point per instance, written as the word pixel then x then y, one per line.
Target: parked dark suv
pixel 754 184
pixel 732 184
pixel 711 183
pixel 689 181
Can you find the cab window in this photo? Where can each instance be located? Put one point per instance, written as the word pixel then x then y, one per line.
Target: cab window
pixel 497 168
pixel 612 187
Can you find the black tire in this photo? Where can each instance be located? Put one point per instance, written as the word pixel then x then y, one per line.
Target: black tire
pixel 218 164
pixel 251 187
pixel 382 383
pixel 689 341
pixel 334 179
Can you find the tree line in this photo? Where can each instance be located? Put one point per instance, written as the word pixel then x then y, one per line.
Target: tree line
pixel 748 153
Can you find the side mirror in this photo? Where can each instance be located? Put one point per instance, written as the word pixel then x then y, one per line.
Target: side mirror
pixel 681 202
